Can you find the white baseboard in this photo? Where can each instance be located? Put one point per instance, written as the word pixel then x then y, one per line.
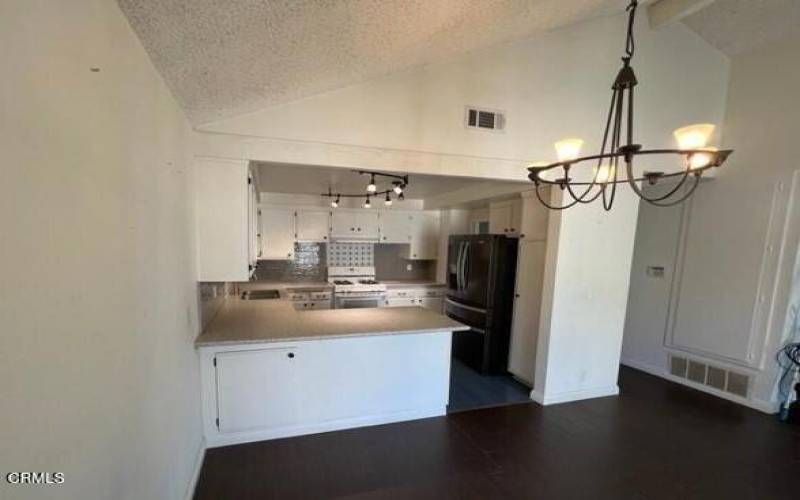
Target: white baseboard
pixel 658 371
pixel 333 425
pixel 566 397
pixel 198 464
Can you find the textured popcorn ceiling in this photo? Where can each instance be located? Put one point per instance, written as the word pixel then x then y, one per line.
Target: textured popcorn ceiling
pixel 226 57
pixel 738 26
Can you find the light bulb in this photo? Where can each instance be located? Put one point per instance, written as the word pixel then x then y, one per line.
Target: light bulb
pixel 694 136
pixel 335 203
pixel 603 173
pixel 388 201
pixel 700 160
pixel 371 187
pixel 398 188
pixel 568 149
pixel 367 204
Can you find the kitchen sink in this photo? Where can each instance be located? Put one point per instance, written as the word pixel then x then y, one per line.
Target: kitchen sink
pixel 261 295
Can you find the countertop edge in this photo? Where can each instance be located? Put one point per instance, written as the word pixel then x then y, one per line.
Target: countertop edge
pixel 275 340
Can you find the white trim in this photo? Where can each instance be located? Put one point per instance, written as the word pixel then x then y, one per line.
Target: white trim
pixel 755 404
pixel 569 396
pixel 333 425
pixel 198 465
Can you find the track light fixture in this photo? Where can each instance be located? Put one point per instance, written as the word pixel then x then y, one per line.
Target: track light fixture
pixel 398 187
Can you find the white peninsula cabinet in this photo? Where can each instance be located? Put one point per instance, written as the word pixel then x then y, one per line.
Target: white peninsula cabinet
pixel 226 227
pixel 261 391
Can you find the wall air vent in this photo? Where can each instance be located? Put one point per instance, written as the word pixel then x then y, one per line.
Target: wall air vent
pixel 715 377
pixel 485 119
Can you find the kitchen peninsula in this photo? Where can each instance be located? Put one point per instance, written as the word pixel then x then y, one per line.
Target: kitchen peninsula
pixel 271 371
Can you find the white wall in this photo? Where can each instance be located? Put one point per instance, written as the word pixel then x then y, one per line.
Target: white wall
pixel 584 299
pixel 742 230
pixel 551 86
pixel 98 302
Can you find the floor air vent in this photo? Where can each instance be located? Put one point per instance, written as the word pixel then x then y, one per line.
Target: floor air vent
pixel 485 119
pixel 713 376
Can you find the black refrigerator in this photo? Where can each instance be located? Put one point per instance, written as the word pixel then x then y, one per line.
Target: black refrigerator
pixel 481 269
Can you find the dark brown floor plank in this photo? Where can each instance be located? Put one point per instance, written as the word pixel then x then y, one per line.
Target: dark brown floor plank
pixel 657 440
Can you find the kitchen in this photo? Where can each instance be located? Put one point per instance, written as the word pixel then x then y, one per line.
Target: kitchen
pixel 381 270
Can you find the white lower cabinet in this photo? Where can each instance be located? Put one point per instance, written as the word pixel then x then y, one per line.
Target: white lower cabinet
pixel 428 298
pixel 247 378
pixel 264 391
pixel 400 302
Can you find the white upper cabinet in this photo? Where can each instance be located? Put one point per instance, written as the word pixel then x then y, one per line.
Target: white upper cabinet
pixel 354 225
pixel 312 225
pixel 424 235
pixel 226 220
pixel 533 226
pixel 505 217
pixel 277 233
pixel 395 227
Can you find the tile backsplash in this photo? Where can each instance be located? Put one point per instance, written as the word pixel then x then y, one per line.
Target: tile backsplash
pixel 351 254
pixel 309 264
pixel 312 260
pixel 391 261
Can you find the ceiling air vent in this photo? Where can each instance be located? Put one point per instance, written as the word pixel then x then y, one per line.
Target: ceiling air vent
pixel 485 119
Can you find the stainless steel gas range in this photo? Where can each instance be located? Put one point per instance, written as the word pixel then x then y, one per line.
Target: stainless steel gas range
pixel 356 287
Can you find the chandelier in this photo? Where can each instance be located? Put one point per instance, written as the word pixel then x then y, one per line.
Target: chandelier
pixel 583 185
pixel 398 187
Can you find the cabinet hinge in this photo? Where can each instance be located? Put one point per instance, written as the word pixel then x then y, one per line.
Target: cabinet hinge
pixel 249 180
pixel 215 361
pixel 217 421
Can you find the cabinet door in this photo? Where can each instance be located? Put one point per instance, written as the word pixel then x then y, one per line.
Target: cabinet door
pixel 395 227
pixel 257 389
pixel 527 306
pixel 343 224
pixel 499 218
pixel 424 235
pixel 534 220
pixel 253 228
pixel 277 233
pixel 515 218
pixel 312 225
pixel 367 224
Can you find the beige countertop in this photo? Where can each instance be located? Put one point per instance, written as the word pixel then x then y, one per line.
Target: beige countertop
pixel 257 321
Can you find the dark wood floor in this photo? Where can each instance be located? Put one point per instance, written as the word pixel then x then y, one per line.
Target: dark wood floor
pixel 657 440
pixel 469 389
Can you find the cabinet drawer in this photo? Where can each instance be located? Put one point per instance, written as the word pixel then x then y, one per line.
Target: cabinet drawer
pixel 320 295
pixel 400 293
pixel 297 296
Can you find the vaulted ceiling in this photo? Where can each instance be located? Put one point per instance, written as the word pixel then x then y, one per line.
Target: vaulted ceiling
pixel 225 58
pixel 738 26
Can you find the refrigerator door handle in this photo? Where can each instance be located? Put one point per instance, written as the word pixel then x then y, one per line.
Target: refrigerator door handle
pixel 460 266
pixel 468 308
pixel 466 265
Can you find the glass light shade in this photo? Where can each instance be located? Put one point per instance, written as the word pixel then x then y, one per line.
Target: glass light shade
pixel 603 173
pixel 694 136
pixel 700 160
pixel 372 188
pixel 367 204
pixel 388 202
pixel 334 204
pixel 568 149
pixel 398 188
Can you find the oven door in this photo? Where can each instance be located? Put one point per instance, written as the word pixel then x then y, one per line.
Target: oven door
pixel 359 301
